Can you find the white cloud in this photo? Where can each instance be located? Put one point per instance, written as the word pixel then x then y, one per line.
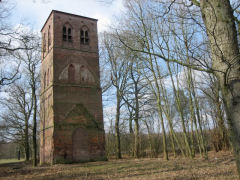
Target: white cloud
pixel 35 12
pixel 103 22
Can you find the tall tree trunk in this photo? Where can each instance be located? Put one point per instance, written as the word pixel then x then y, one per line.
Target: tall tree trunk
pixel 220 122
pixel 170 122
pixel 130 124
pixel 34 127
pixel 193 109
pixel 192 115
pixel 165 152
pixel 192 98
pixel 136 110
pixel 200 136
pixel 172 143
pixel 180 110
pixel 219 21
pixel 26 143
pixel 131 133
pixel 149 139
pixel 136 149
pixel 169 119
pixel 117 131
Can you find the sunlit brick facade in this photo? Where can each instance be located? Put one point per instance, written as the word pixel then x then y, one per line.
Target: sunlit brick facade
pixel 71 125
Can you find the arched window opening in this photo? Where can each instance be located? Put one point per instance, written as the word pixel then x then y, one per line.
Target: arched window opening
pixel 49 36
pixel 71 73
pixel 44 42
pixel 67 33
pixel 82 73
pixel 84 38
pixel 64 33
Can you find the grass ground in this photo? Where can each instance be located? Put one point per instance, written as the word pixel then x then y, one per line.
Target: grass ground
pixel 219 166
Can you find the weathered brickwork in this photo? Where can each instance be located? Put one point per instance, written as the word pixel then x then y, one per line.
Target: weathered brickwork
pixel 71 126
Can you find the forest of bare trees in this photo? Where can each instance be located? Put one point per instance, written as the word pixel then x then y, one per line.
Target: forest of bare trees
pixel 175 79
pixel 19 84
pixel 170 74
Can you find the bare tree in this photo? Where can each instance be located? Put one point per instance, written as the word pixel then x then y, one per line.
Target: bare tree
pixel 222 34
pixel 30 58
pixel 9 44
pixel 213 98
pixel 17 108
pixel 217 20
pixel 119 75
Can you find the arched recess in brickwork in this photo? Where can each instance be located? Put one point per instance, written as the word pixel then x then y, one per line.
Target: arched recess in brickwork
pixel 80 144
pixel 71 73
pixel 67 32
pixel 80 74
pixel 84 35
pixel 44 42
pixel 85 75
pixel 49 37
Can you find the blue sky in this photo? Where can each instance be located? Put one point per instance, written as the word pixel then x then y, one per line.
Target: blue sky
pixel 35 12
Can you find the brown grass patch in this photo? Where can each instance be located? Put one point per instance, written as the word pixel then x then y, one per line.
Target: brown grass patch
pixel 219 166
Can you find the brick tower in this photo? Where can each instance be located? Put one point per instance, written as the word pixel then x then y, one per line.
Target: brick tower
pixel 71 125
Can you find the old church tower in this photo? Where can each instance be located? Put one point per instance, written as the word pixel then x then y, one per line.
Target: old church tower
pixel 71 126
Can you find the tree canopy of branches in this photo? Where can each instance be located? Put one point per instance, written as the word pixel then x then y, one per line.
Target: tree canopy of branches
pixel 199 35
pixel 20 100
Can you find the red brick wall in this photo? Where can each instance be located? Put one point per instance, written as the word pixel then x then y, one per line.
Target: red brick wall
pixel 71 109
